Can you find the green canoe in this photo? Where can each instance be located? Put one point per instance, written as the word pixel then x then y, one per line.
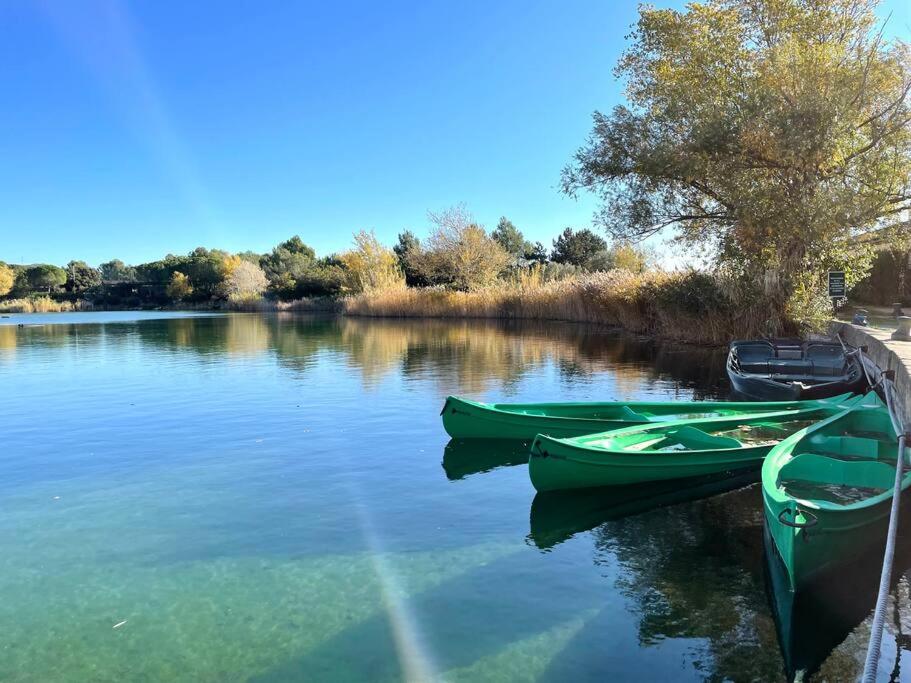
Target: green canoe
pixel 464 419
pixel 670 450
pixel 827 490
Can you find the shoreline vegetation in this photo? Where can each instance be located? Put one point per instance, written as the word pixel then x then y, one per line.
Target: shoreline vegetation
pixel 684 306
pixel 461 271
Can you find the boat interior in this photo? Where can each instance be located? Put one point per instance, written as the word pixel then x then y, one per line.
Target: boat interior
pixel 847 461
pixel 790 359
pixel 643 413
pixel 725 434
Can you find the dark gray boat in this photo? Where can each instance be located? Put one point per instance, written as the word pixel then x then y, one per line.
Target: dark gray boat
pixel 792 369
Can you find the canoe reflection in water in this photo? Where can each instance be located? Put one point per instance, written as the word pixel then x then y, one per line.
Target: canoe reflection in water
pixel 693 559
pixel 557 516
pixel 836 607
pixel 464 457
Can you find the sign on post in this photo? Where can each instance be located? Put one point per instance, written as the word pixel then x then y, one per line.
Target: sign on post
pixel 837 289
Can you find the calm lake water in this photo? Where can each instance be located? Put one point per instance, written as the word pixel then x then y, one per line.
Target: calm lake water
pixel 271 498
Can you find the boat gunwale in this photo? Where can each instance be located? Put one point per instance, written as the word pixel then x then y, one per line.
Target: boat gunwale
pixel 492 411
pixel 596 455
pixel 785 450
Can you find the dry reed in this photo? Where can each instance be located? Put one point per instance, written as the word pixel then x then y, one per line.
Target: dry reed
pixel 687 306
pixel 40 304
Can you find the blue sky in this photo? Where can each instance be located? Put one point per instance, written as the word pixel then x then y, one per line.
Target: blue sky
pixel 133 129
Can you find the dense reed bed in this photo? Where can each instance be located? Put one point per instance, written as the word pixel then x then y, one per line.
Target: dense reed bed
pixel 689 306
pixel 262 305
pixel 40 304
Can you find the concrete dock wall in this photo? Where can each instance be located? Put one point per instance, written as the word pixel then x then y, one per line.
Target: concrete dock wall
pixel 887 354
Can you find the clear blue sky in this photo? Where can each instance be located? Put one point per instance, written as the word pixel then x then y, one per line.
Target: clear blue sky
pixel 133 129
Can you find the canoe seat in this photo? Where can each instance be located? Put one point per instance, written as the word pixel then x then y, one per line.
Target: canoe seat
pixel 696 439
pixel 755 367
pixel 829 367
pixel 791 367
pixel 825 352
pixel 755 351
pixel 854 447
pixel 627 413
pixel 811 476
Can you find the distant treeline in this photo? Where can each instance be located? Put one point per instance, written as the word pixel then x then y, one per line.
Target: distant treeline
pixel 458 254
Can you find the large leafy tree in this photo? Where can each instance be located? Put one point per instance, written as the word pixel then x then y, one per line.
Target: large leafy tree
pixel 45 277
pixel 508 236
pixel 80 276
pixel 406 248
pixel 206 270
pixel 535 253
pixel 117 271
pixel 289 263
pixel 773 131
pixel 577 247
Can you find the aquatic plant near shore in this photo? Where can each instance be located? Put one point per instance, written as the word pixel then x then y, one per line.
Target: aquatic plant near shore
pixel 40 304
pixel 264 305
pixel 689 305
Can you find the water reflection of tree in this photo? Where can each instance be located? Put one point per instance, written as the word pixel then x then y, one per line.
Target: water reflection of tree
pixel 695 572
pixel 8 338
pixel 698 571
pixel 472 356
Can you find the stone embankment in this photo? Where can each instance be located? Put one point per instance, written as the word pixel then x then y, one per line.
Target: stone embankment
pixel 887 353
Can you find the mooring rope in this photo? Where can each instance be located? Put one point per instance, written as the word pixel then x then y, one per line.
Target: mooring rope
pixel 885 579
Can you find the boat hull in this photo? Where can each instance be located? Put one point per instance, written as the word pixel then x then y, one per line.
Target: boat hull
pixel 765 389
pixel 464 419
pixel 837 537
pixel 554 467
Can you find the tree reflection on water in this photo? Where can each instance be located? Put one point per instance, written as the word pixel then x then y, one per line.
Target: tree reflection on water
pixel 468 354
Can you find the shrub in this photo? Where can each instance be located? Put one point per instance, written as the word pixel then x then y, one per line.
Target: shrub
pixel 459 253
pixel 693 292
pixel 370 266
pixel 179 287
pixel 325 279
pixel 245 281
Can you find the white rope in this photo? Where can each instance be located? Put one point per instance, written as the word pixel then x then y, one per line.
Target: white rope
pixel 879 613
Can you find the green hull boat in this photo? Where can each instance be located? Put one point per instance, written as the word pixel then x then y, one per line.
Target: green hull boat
pixel 464 419
pixel 672 450
pixel 827 490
